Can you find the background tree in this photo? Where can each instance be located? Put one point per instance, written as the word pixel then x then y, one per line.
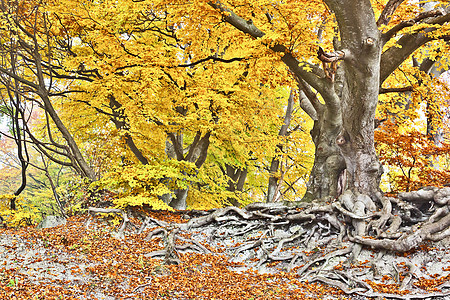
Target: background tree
pixel 29 73
pixel 163 101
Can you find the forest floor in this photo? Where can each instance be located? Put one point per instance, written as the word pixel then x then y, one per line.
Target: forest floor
pixel 75 261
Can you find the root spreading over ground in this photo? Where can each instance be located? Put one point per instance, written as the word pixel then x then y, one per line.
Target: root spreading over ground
pixel 394 248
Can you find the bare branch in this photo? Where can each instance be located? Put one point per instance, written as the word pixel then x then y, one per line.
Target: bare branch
pixel 310 95
pixel 18 78
pixel 396 90
pixel 388 11
pixel 213 58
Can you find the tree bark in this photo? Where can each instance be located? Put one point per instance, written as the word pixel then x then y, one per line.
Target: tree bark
pixel 196 153
pixel 329 164
pixel 236 181
pixel 361 40
pixel 275 164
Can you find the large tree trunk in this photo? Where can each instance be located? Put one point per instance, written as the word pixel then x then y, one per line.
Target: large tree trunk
pixel 361 42
pixel 329 165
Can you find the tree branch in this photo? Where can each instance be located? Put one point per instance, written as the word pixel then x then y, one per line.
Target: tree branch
pixel 396 55
pixel 306 92
pixel 193 146
pixel 18 78
pixel 388 11
pixel 425 15
pixel 177 146
pixel 307 105
pixel 396 90
pixel 230 17
pixel 302 70
pixel 213 58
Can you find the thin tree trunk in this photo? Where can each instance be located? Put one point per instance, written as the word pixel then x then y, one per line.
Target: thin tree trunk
pixel 119 119
pixel 19 138
pixel 236 181
pixel 275 164
pixel 179 201
pixel 197 154
pixel 55 194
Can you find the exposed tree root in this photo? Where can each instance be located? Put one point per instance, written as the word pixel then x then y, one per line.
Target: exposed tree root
pixel 337 283
pixel 125 220
pixel 405 296
pixel 319 241
pixel 171 248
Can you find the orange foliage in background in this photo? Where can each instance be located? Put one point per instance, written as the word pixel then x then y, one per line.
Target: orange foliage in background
pixel 411 159
pixel 413 139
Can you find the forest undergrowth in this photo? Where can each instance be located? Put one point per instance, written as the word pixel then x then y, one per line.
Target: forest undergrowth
pixel 74 262
pixel 222 254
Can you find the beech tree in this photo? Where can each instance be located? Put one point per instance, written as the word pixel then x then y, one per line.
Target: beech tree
pixel 178 79
pixel 29 76
pixel 164 103
pixel 342 55
pixel 349 82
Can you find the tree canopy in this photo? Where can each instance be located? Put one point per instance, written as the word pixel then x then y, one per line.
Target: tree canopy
pixel 210 103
